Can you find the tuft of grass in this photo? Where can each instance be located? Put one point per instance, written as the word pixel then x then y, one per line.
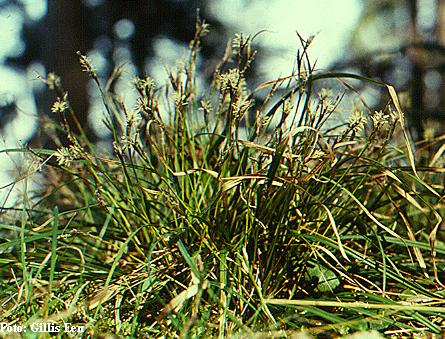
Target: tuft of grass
pixel 230 212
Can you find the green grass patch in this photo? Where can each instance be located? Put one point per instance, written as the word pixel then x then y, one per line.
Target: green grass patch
pixel 231 212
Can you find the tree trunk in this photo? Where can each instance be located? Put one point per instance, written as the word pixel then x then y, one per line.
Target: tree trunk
pixel 67 31
pixel 440 35
pixel 416 116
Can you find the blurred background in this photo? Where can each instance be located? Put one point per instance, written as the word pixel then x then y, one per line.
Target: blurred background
pixel 401 42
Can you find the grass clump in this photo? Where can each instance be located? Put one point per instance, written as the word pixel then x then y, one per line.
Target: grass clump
pixel 219 215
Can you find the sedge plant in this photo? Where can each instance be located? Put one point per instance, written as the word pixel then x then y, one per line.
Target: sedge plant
pixel 230 212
